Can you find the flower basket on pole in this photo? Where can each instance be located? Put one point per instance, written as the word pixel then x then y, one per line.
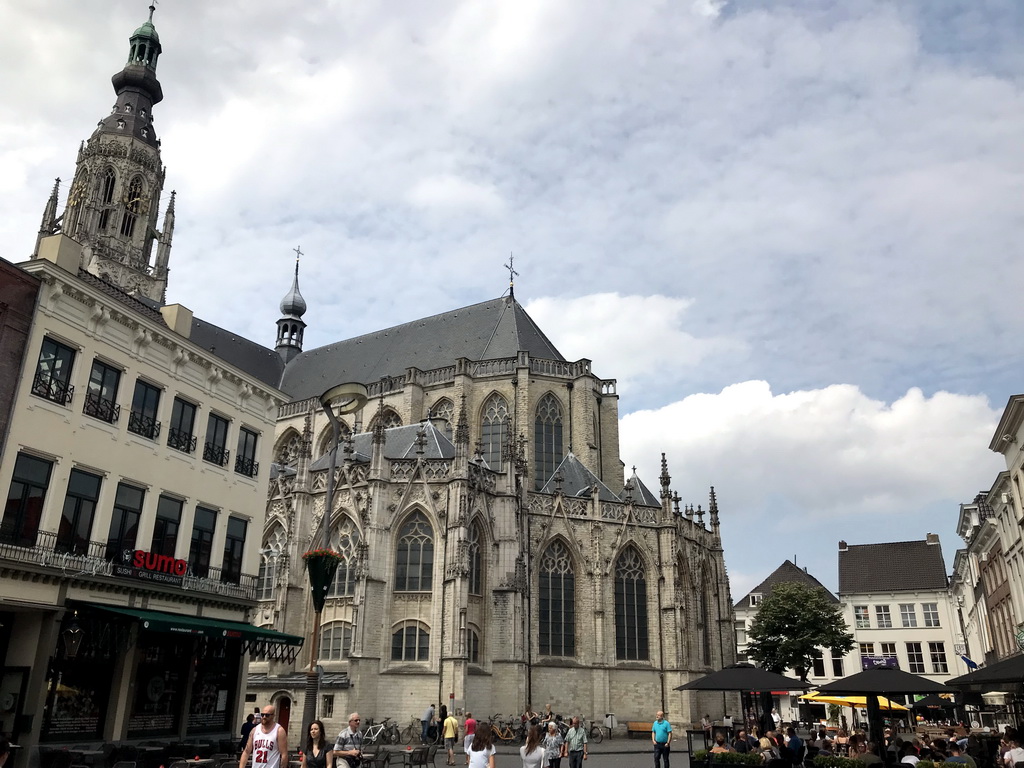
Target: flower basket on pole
pixel 321 564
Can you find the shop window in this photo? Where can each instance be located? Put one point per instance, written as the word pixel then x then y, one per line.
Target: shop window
pixel 410 642
pixel 234 546
pixel 25 498
pixel 494 429
pixel 79 509
pixel 215 449
pixel 145 402
pixel 557 603
pixel 124 522
pixel 631 642
pixel 200 551
pixel 180 435
pixel 53 372
pixel 245 458
pixel 414 559
pixel 547 439
pixel 165 527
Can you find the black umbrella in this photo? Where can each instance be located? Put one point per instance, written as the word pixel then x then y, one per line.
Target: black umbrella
pixel 744 677
pixel 932 701
pixel 1006 672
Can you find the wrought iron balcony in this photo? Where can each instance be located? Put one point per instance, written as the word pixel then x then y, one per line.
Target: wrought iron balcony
pixel 181 440
pixel 216 454
pixel 44 385
pixel 247 467
pixel 101 408
pixel 143 425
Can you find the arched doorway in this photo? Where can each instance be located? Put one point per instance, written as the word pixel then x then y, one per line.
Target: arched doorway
pixel 284 711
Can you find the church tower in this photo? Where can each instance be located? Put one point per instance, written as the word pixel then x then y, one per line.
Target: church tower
pixel 113 202
pixel 291 326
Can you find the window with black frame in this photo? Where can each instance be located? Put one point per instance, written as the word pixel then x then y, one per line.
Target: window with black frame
pixel 101 397
pixel 200 551
pixel 181 431
pixel 245 458
pixel 234 546
pixel 145 403
pixel 215 449
pixel 53 372
pixel 78 513
pixel 165 527
pixel 25 498
pixel 124 522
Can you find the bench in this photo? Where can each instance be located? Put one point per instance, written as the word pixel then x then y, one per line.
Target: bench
pixel 634 726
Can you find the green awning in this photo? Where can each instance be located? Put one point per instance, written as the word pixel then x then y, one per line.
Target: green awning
pixel 158 621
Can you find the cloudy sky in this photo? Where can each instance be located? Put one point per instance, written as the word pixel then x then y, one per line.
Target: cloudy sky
pixel 791 229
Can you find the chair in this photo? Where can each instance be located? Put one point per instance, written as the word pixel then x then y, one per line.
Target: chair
pixel 379 759
pixel 229 764
pixel 417 757
pixel 431 754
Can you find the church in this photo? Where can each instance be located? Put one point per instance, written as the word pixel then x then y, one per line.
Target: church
pixel 495 554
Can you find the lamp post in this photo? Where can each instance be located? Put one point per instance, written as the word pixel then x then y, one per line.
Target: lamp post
pixel 340 399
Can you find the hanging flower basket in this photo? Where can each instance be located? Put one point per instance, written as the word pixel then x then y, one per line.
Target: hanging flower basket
pixel 321 564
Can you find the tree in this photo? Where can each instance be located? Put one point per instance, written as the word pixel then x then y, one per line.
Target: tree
pixel 792 624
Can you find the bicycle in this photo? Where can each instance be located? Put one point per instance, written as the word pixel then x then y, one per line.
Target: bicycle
pixel 595 731
pixel 411 732
pixel 385 730
pixel 504 731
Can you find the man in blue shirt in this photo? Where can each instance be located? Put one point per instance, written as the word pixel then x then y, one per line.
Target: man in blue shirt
pixel 661 736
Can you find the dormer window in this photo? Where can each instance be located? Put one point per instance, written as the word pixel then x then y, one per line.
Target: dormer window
pixel 142 112
pixel 755 599
pixel 145 133
pixel 127 107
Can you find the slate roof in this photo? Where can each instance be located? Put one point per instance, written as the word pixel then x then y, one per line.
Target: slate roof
pixel 641 493
pixel 787 572
pixel 255 359
pixel 577 480
pixel 399 443
pixel 891 567
pixel 489 330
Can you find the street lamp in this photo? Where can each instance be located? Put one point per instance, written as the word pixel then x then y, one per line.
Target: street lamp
pixel 321 562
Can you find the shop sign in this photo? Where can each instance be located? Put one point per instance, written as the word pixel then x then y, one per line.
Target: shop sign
pixel 149 566
pixel 870 662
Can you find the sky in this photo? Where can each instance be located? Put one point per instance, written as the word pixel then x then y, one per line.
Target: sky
pixel 790 230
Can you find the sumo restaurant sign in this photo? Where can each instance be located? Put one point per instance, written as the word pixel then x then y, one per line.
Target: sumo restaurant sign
pixel 149 566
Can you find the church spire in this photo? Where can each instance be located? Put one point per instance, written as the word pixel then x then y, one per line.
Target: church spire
pixel 291 326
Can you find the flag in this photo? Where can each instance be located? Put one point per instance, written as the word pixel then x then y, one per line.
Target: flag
pixel 970 664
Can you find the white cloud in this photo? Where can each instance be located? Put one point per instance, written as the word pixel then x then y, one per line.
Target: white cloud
pixel 452 194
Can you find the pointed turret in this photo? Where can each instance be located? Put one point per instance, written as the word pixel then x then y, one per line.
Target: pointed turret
pixel 49 223
pixel 290 326
pixel 666 479
pixel 713 509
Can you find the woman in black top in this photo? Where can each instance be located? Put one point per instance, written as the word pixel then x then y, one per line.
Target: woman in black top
pixel 247 727
pixel 317 755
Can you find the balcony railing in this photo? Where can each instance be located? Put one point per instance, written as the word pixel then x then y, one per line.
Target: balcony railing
pixel 181 440
pixel 101 408
pixel 143 425
pixel 90 559
pixel 216 454
pixel 44 385
pixel 246 466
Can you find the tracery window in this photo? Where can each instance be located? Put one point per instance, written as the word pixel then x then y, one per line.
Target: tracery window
pixel 388 417
pixel 631 639
pixel 547 439
pixel 107 183
pixel 473 645
pixel 476 576
pixel 336 641
pixel 288 450
pixel 557 602
pixel 344 431
pixel 273 548
pixel 410 642
pixel 414 558
pixel 444 409
pixel 494 429
pixel 344 541
pixel 705 615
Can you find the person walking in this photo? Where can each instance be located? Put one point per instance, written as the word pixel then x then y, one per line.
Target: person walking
pixel 554 746
pixel 661 737
pixel 481 751
pixel 470 724
pixel 576 744
pixel 532 752
pixel 247 726
pixel 450 731
pixel 266 742
pixel 317 755
pixel 349 744
pixel 425 721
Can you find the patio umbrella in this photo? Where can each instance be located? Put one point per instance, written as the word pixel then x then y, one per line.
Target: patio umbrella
pixel 744 677
pixel 932 701
pixel 852 701
pixel 1008 672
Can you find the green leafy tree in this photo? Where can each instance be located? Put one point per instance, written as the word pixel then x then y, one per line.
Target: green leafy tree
pixel 793 622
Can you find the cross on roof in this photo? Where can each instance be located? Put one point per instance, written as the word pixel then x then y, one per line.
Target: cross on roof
pixel 512 275
pixel 298 251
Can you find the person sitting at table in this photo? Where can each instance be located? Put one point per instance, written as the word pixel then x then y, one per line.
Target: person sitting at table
pixel 317 755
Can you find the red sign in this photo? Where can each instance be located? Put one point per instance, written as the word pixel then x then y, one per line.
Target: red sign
pixel 150 561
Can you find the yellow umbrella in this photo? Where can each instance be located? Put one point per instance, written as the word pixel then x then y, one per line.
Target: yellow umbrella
pixel 852 701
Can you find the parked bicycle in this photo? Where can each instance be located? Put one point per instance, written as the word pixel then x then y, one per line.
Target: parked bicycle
pixel 386 731
pixel 412 732
pixel 595 731
pixel 508 730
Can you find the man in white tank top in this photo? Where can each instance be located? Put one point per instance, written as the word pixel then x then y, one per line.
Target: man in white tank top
pixel 267 742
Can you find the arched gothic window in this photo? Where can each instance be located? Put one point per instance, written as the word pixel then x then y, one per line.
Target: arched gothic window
pixel 388 417
pixel 473 645
pixel 476 575
pixel 344 541
pixel 273 549
pixel 336 641
pixel 414 559
pixel 631 641
pixel 132 206
pixel 328 435
pixel 107 183
pixel 547 439
pixel 494 429
pixel 444 409
pixel 288 449
pixel 410 642
pixel 705 615
pixel 557 602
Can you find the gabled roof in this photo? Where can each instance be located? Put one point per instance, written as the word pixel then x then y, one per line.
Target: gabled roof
pixel 641 493
pixel 891 566
pixel 255 359
pixel 577 480
pixel 399 443
pixel 785 573
pixel 490 330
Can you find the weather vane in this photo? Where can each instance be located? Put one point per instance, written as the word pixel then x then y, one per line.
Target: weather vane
pixel 512 275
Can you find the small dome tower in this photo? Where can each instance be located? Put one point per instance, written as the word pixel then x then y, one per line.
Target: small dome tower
pixel 291 326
